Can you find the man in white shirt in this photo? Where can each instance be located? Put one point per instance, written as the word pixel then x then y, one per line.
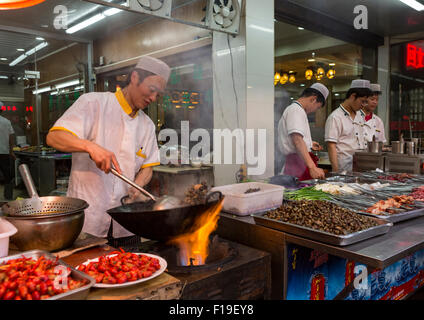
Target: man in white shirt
pixel 342 128
pixel 102 129
pixel 373 125
pixel 294 135
pixel 6 154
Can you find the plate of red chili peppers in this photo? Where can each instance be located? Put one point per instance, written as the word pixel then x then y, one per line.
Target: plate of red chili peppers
pixel 121 269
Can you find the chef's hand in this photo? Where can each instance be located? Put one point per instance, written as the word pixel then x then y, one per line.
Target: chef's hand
pixel 316 173
pixel 316 146
pixel 136 196
pixel 103 158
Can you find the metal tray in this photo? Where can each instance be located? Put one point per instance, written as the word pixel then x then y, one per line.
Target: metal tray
pixel 344 179
pixel 322 236
pixel 76 294
pixel 397 217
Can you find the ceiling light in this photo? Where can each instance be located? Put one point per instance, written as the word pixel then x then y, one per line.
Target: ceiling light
pixel 336 94
pixel 332 64
pixel 284 78
pixel 28 53
pixel 45 89
pixel 85 23
pixel 302 84
pixel 38 47
pixel 39 38
pixel 413 4
pixel 4 77
pixel 309 74
pixel 300 28
pixel 3 59
pixel 17 60
pixel 311 60
pixel 94 19
pixel 67 84
pixel 20 49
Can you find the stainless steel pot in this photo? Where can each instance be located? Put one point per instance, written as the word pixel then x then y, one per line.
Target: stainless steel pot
pixel 375 146
pixel 410 151
pixel 48 233
pixel 398 147
pixel 46 223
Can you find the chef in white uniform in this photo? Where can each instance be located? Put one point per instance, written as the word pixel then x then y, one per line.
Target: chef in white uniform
pixel 343 127
pixel 102 129
pixel 373 125
pixel 294 135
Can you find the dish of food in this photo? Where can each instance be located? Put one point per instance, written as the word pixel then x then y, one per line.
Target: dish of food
pixel 121 269
pixel 336 188
pixel 391 205
pixel 322 215
pixel 35 279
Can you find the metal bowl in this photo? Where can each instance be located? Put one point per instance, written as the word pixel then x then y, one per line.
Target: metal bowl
pixel 49 233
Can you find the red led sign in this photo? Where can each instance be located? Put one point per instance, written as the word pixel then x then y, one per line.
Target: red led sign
pixel 414 56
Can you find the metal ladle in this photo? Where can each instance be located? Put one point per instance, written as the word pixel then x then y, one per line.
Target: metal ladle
pixel 162 203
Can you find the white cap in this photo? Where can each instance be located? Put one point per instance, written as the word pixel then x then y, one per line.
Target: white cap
pixel 360 83
pixel 375 87
pixel 155 66
pixel 321 88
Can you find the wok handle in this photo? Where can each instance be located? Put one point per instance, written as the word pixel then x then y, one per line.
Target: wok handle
pixel 212 194
pixel 123 199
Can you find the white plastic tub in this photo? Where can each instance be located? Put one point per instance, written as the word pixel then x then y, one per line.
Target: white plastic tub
pixel 6 231
pixel 238 202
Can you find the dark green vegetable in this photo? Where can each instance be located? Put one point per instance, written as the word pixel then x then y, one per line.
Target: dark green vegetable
pixel 308 193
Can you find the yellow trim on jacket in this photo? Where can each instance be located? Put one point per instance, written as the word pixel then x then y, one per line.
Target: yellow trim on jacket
pixel 62 129
pixel 150 165
pixel 123 103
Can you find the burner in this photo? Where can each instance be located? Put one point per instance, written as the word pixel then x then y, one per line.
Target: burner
pixel 220 253
pixel 232 271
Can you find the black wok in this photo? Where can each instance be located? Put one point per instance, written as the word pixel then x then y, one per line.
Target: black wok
pixel 161 225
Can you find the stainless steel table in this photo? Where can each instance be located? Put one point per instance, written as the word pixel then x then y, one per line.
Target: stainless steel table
pixel 379 252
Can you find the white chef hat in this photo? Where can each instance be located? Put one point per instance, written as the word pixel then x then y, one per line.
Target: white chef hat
pixel 360 83
pixel 375 87
pixel 155 66
pixel 321 88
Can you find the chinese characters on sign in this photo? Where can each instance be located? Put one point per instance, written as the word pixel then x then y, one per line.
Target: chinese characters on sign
pixel 414 56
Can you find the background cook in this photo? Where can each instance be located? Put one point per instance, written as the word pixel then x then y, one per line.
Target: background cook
pixel 343 127
pixel 294 135
pixel 7 142
pixel 104 128
pixel 373 125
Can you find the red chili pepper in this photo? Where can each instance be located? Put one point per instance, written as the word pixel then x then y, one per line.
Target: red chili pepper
pixel 2 290
pixel 36 295
pixel 99 278
pixel 23 291
pixel 43 288
pixel 9 295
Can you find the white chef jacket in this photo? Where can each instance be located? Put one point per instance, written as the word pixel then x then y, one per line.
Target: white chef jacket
pixel 293 120
pixel 103 118
pixel 6 130
pixel 346 133
pixel 373 127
